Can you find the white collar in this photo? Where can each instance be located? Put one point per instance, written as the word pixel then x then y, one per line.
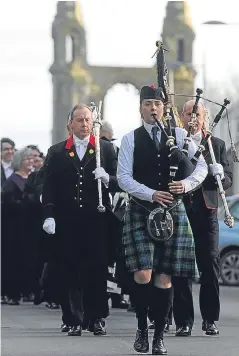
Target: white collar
pixel 197 137
pixel 148 127
pixel 198 134
pixel 6 164
pixel 77 139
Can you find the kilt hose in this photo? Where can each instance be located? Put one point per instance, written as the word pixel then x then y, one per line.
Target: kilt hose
pixel 175 257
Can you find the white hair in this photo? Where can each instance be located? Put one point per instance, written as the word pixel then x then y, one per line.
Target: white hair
pixel 107 127
pixel 19 156
pixel 205 112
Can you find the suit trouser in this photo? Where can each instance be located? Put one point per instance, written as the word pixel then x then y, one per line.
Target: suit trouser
pixel 204 224
pixel 83 291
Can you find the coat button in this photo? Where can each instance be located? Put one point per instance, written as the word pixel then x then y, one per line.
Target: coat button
pixel 81 168
pixel 159 174
pixel 80 182
pixel 76 185
pixel 80 198
pixel 80 191
pixel 158 155
pixel 81 206
pixel 81 176
pixel 75 198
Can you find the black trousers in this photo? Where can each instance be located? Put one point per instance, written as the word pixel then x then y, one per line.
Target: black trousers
pixel 83 293
pixel 205 228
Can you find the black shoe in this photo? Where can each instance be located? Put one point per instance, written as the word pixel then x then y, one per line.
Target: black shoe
pixel 151 325
pixel 121 304
pixel 65 328
pixel 183 331
pixel 4 300
pixel 141 343
pixel 158 347
pixel 48 305
pixel 28 298
pixel 13 302
pixel 210 328
pixel 75 331
pixel 99 327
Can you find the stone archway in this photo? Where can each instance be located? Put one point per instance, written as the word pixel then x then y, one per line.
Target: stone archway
pixel 75 80
pixel 121 109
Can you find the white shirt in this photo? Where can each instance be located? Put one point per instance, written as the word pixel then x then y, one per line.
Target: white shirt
pixel 197 138
pixel 7 167
pixel 81 145
pixel 125 165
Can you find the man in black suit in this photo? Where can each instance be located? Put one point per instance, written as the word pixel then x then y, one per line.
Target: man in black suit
pixel 107 133
pixel 70 200
pixel 201 207
pixel 7 153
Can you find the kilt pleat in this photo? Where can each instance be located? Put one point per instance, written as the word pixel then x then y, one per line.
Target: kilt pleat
pixel 175 256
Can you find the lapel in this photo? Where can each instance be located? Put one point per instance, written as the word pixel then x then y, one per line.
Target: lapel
pixel 205 153
pixel 73 156
pixel 3 174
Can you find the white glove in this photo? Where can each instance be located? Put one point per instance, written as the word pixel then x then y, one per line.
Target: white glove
pixel 41 198
pixel 217 169
pixel 100 173
pixel 49 226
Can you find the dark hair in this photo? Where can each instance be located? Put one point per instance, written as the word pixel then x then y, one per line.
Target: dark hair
pixel 7 140
pixel 34 147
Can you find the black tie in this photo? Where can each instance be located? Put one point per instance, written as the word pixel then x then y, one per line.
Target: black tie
pixel 155 138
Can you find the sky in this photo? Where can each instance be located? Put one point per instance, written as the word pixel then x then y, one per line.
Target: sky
pixel 118 33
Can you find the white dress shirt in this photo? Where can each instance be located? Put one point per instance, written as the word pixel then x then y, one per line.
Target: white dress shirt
pixel 81 145
pixel 8 170
pixel 125 165
pixel 197 138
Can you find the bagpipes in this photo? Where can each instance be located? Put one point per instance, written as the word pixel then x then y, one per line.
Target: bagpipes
pixel 160 222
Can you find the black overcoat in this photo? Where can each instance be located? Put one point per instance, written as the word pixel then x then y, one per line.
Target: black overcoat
pixel 70 196
pixel 13 234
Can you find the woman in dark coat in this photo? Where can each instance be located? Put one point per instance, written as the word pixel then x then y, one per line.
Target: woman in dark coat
pixel 41 272
pixel 14 215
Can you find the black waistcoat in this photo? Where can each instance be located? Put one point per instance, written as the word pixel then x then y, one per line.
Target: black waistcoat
pixel 150 167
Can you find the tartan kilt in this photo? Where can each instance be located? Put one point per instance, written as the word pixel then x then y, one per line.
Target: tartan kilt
pixel 175 257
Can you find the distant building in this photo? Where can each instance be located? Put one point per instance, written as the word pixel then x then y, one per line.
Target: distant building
pixel 74 80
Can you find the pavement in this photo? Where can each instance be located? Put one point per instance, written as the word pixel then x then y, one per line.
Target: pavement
pixel 29 330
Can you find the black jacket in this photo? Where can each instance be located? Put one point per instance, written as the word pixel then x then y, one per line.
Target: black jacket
pixel 69 181
pixel 70 196
pixel 209 189
pixel 3 177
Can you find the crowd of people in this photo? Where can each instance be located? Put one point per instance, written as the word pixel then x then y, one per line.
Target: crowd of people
pixel 57 247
